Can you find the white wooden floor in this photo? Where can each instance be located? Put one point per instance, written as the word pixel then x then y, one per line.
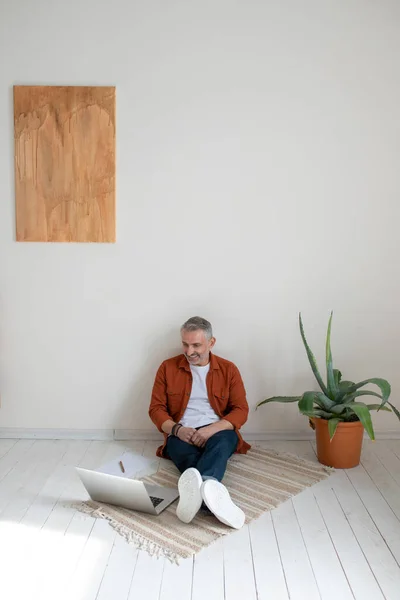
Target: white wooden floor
pixel 340 539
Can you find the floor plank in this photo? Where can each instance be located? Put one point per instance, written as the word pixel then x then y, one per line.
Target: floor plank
pixel 118 574
pixel 388 457
pixel 177 580
pixel 298 571
pixel 86 580
pixel 358 572
pixel 321 551
pixel 383 479
pixel 238 566
pixel 268 571
pixel 208 573
pixel 5 446
pixel 13 456
pixel 31 484
pixel 374 547
pixel 147 577
pixel 394 446
pixel 378 509
pixel 18 478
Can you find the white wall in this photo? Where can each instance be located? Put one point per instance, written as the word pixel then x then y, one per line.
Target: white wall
pixel 257 174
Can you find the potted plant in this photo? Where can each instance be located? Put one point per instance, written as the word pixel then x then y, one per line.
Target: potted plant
pixel 335 412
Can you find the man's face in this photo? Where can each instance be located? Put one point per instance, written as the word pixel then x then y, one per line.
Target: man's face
pixel 196 347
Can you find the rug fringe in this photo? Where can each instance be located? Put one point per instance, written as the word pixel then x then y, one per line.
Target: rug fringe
pixel 138 541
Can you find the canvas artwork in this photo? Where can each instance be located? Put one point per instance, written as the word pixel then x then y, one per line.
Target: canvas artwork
pixel 64 163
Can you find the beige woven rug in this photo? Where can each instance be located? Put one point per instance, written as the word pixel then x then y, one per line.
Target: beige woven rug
pixel 257 482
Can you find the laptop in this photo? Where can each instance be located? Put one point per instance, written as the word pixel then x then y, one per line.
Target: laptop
pixel 128 493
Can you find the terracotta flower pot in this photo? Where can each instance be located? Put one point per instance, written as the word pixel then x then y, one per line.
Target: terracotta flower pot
pixel 344 450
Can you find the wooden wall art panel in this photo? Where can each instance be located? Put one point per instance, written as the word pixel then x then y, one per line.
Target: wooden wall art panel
pixel 64 163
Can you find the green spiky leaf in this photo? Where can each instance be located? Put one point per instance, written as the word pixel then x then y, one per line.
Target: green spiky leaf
pixel 377 407
pixel 306 403
pixel 362 412
pixel 332 387
pixel 311 359
pixel 323 401
pixel 338 409
pixel 394 409
pixel 332 426
pixel 350 397
pixel 382 384
pixel 316 412
pixel 338 376
pixel 279 399
pixel 344 385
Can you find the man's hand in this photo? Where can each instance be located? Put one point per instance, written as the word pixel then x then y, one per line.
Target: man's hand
pixel 200 436
pixel 186 434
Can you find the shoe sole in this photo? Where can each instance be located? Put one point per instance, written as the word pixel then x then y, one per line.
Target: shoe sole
pixel 218 500
pixel 190 498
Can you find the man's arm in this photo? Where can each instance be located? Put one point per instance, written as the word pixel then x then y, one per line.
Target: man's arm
pixel 158 411
pixel 238 409
pixel 167 426
pixel 158 405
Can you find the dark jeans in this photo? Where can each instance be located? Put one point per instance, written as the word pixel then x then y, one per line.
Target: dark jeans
pixel 211 460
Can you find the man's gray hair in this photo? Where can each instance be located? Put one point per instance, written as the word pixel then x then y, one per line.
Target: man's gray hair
pixel 195 323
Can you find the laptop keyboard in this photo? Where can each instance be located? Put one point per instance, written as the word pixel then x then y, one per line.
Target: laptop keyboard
pixel 156 501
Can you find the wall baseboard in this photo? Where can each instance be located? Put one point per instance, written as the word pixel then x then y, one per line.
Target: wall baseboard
pixel 153 435
pixel 57 434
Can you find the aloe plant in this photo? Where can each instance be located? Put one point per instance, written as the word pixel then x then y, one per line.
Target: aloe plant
pixel 338 399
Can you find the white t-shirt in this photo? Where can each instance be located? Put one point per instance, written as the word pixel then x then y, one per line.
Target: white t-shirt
pixel 199 410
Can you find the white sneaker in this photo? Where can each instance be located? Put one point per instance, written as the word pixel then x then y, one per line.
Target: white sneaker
pixel 218 500
pixel 190 498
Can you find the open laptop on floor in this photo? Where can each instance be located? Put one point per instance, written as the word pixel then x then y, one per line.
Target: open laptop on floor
pixel 128 493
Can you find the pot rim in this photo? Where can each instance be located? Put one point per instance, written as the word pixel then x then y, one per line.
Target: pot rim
pixel 341 424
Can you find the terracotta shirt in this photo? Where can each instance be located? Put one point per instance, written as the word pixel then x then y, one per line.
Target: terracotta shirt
pixel 226 394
